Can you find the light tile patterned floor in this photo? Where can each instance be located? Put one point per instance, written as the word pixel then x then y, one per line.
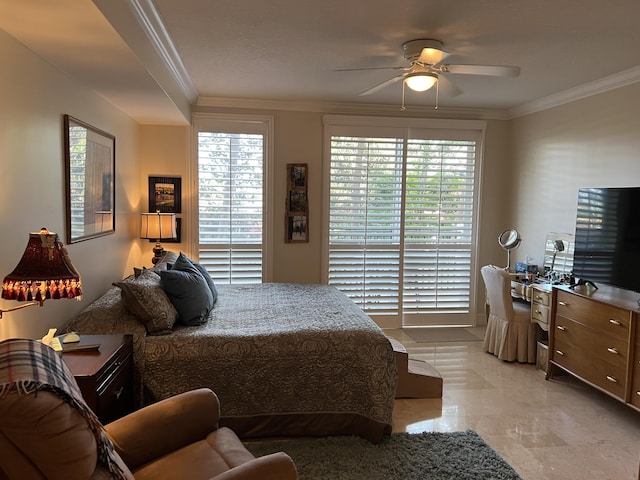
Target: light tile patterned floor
pixel 558 429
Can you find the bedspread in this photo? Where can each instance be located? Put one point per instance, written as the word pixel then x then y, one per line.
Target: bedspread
pixel 284 359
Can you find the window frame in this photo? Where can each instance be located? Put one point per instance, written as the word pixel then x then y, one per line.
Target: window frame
pixel 236 123
pixel 405 128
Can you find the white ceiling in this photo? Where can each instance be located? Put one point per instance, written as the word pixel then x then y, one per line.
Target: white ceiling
pixel 153 59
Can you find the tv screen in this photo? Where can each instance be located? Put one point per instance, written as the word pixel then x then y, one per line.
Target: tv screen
pixel 607 242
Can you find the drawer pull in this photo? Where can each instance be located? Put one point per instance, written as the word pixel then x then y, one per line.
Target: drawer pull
pixel 612 350
pixel 612 379
pixel 538 312
pixel 564 304
pixel 118 394
pixel 560 353
pixel 638 393
pixel 614 322
pixel 538 297
pixel 560 327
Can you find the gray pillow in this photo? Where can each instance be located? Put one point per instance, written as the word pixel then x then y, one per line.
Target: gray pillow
pixel 207 277
pixel 168 257
pixel 145 298
pixel 188 290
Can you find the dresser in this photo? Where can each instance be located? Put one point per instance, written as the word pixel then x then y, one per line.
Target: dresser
pixel 593 334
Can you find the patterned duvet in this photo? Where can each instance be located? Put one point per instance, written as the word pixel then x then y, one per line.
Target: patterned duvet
pixel 284 359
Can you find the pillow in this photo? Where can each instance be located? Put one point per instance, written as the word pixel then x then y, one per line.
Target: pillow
pixel 205 274
pixel 144 297
pixel 209 280
pixel 168 257
pixel 137 271
pixel 188 290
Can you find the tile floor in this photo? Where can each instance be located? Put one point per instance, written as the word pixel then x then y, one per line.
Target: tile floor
pixel 558 429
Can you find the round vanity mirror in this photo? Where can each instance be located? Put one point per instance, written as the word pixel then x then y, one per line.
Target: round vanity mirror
pixel 509 239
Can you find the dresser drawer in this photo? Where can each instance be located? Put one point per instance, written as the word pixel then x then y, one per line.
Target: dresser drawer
pixel 539 313
pixel 540 297
pixel 115 393
pixel 594 314
pixel 600 347
pixel 589 368
pixel 635 382
pixel 635 371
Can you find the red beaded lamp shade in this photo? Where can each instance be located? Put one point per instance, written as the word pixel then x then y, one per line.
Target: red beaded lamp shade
pixel 44 272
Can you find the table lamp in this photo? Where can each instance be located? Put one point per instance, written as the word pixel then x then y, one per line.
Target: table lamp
pixel 158 226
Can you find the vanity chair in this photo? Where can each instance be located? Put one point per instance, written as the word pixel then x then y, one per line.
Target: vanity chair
pixel 510 335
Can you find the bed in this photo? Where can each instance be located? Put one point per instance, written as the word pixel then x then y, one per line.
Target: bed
pixel 284 359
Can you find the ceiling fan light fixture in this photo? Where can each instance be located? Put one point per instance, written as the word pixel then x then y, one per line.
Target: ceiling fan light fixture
pixel 420 81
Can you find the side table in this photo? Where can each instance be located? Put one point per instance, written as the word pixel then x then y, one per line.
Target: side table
pixel 105 376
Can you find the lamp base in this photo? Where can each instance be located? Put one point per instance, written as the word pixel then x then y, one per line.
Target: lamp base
pixel 158 253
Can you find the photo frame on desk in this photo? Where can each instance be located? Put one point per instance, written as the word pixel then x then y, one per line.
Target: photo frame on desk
pixel 297 211
pixel 165 194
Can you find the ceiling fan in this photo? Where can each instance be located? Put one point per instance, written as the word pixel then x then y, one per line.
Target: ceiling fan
pixel 426 69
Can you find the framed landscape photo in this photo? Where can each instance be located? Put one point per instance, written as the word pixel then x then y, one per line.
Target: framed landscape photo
pixel 297 211
pixel 165 194
pixel 90 166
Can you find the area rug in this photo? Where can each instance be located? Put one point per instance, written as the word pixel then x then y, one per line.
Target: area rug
pixel 441 334
pixel 402 456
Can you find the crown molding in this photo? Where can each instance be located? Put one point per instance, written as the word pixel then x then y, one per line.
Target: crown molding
pixel 617 80
pixel 149 20
pixel 351 108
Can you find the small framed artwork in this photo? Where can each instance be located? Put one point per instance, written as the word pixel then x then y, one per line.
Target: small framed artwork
pixel 165 194
pixel 297 211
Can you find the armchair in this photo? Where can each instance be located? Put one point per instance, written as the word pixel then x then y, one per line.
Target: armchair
pixel 45 433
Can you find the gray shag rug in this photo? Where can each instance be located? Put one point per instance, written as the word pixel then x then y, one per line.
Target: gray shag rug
pixel 401 456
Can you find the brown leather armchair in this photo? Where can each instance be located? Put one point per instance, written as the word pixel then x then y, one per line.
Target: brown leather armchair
pixel 179 438
pixel 42 436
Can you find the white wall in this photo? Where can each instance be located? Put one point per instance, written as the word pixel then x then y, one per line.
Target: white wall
pixel 33 97
pixel 593 142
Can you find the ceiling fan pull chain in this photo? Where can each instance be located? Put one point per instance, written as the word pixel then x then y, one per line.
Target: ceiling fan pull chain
pixel 437 93
pixel 403 107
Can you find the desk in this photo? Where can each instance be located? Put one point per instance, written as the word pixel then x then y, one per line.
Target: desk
pixel 539 295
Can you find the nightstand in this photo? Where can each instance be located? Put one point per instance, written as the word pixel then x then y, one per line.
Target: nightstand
pixel 105 376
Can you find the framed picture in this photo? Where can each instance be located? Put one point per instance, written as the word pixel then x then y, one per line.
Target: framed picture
pixel 90 167
pixel 165 194
pixel 297 211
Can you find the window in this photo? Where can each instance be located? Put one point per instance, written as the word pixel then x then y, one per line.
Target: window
pixel 402 203
pixel 232 172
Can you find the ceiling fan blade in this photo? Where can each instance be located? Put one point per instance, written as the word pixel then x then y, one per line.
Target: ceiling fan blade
pixel 370 68
pixel 449 88
pixel 382 85
pixel 491 70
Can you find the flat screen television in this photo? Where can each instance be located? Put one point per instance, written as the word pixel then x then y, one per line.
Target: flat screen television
pixel 607 242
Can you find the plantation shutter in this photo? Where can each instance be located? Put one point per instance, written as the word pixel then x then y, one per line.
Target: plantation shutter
pixel 438 226
pixel 364 228
pixel 231 198
pixel 401 222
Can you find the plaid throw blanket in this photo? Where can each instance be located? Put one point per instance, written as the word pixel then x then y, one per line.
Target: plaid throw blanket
pixel 27 366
